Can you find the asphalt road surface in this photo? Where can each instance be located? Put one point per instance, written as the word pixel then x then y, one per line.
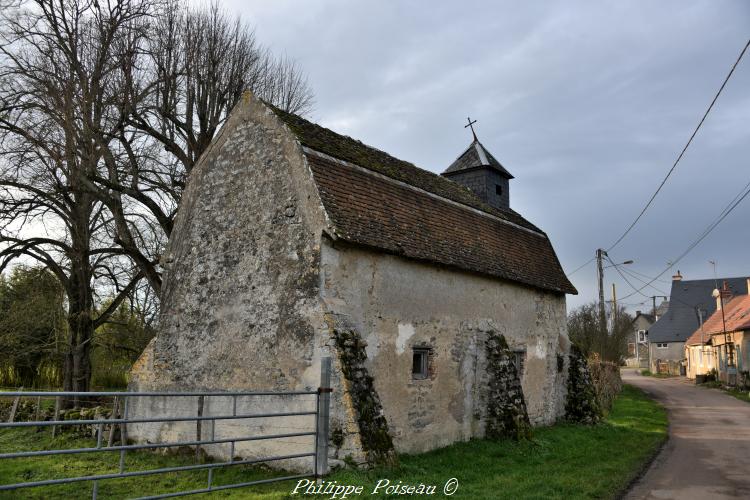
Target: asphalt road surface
pixel 708 452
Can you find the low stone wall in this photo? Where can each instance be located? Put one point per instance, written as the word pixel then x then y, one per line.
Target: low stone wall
pixel 605 377
pixel 582 404
pixel 27 411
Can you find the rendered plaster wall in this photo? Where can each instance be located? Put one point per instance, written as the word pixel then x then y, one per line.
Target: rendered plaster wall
pixel 675 351
pixel 397 304
pixel 701 360
pixel 240 306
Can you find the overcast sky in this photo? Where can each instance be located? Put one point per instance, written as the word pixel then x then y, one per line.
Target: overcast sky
pixel 587 104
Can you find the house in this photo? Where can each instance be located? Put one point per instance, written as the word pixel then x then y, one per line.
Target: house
pixel 294 242
pixel 638 345
pixel 723 341
pixel 699 354
pixel 690 303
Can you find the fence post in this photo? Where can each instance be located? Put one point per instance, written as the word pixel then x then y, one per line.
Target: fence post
pixel 199 428
pixel 322 425
pixel 124 430
pixel 14 407
pixel 56 417
pixel 38 414
pixel 113 415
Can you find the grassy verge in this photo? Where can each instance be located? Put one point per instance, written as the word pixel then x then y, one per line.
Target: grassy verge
pixel 562 461
pixel 648 373
pixel 741 395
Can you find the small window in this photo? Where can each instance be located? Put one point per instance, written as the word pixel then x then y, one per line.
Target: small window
pixel 641 335
pixel 498 190
pixel 661 346
pixel 519 359
pixel 420 365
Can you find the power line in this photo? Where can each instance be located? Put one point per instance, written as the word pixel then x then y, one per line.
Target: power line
pixel 664 294
pixel 724 213
pixel 623 277
pixel 679 157
pixel 581 267
pixel 633 271
pixel 635 276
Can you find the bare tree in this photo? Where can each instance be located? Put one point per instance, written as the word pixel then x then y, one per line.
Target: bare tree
pixel 58 112
pixel 584 329
pixel 176 95
pixel 104 110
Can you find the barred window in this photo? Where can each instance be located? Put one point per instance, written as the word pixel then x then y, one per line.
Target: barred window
pixel 420 366
pixel 519 359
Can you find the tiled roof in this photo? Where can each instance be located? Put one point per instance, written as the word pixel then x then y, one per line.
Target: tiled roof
pixel 345 148
pixel 476 156
pixel 371 210
pixel 379 201
pixel 736 317
pixel 686 298
pixel 698 338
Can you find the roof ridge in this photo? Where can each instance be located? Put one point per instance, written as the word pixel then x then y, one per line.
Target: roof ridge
pixel 463 206
pixel 446 187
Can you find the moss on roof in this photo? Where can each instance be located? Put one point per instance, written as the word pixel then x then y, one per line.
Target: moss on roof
pixel 348 149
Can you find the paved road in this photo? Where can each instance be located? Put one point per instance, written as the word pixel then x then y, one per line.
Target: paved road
pixel 708 453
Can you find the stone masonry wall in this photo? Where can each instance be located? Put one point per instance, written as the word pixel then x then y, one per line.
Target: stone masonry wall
pixel 506 407
pixel 398 305
pixel 241 303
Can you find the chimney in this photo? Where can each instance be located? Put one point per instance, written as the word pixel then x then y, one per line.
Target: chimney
pixel 725 293
pixel 677 277
pixel 638 313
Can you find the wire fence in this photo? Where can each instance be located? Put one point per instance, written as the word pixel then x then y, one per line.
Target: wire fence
pixel 216 423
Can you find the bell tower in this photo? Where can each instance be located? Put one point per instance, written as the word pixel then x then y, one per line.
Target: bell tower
pixel 479 171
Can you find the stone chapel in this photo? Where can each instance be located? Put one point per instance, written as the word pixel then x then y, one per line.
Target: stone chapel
pixel 441 307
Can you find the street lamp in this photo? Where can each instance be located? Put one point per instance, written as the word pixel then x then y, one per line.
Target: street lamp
pixel 627 262
pixel 600 253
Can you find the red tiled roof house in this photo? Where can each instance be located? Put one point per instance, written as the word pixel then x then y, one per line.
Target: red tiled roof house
pixel 723 341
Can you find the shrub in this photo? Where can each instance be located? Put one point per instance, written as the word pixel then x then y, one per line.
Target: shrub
pixel 605 377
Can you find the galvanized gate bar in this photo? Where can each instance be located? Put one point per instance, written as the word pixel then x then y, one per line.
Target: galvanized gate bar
pixel 149 446
pixel 52 394
pixel 121 406
pixel 153 420
pixel 225 487
pixel 324 403
pixel 67 480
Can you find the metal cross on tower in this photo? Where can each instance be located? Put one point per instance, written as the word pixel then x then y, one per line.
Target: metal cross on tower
pixel 471 125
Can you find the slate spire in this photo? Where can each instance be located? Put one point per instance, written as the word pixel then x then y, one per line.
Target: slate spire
pixel 479 171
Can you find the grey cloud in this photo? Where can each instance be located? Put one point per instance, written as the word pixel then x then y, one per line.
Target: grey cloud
pixel 586 103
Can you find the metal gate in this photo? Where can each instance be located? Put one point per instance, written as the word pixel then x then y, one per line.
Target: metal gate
pixel 205 433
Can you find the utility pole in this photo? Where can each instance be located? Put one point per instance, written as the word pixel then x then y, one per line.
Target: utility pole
pixel 602 314
pixel 653 301
pixel 600 275
pixel 614 307
pixel 729 352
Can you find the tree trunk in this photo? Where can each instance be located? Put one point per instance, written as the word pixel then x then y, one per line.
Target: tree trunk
pixel 77 377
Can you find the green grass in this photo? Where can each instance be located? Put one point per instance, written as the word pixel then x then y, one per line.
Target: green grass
pixel 741 395
pixel 648 373
pixel 562 461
